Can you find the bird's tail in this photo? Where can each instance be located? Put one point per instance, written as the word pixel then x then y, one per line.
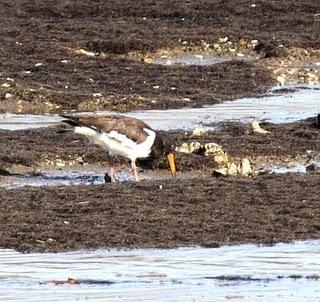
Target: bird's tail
pixel 70 120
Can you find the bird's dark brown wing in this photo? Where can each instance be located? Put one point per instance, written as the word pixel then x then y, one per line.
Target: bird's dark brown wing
pixel 128 126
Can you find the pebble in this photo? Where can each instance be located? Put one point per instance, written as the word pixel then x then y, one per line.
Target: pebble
pixel 221 159
pixel 232 168
pixel 311 167
pixel 198 132
pixel 220 172
pixel 245 167
pixel 281 79
pixel 85 52
pixel 223 40
pixel 6 85
pixel 257 129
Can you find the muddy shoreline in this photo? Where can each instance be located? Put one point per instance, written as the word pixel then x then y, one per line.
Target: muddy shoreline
pixel 208 212
pixel 48 147
pixel 100 56
pixel 89 56
pixel 198 210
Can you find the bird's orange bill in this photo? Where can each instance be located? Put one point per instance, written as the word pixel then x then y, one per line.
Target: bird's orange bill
pixel 172 164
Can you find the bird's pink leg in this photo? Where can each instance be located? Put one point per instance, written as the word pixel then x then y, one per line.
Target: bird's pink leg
pixel 135 170
pixel 112 169
pixel 111 174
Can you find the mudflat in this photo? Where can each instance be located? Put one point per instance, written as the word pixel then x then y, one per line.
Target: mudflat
pixel 98 55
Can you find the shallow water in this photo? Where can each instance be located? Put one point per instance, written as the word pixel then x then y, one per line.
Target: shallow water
pixel 75 176
pixel 10 121
pixel 193 59
pixel 290 167
pixel 95 175
pixel 237 273
pixel 274 108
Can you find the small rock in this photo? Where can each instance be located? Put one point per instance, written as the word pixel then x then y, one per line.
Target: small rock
pixel 223 40
pixel 6 85
pixel 281 79
pixel 221 159
pixel 257 129
pixel 7 95
pixel 82 51
pixel 199 56
pixel 184 148
pixel 4 172
pixel 212 149
pixel 60 163
pixel 245 167
pixel 232 169
pixel 147 60
pixel 216 46
pixel 317 121
pixel 107 178
pixel 198 132
pixel 189 148
pixel 220 172
pixel 215 150
pixel 311 168
pixel 194 147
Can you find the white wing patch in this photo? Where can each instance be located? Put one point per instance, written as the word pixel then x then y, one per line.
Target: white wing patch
pixel 118 143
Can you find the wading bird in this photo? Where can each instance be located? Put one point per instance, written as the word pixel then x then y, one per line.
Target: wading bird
pixel 124 136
